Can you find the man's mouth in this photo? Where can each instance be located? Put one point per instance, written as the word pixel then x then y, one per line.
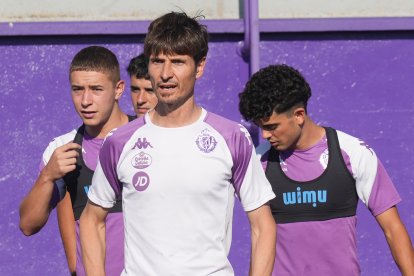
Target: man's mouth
pixel 88 114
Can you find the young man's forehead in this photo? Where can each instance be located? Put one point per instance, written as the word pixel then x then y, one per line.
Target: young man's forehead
pixel 110 75
pixel 97 77
pixel 140 81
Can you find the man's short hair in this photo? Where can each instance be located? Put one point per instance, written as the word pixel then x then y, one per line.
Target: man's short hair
pixel 276 88
pixel 98 59
pixel 138 67
pixel 177 33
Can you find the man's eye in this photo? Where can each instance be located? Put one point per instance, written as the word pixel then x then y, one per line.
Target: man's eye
pixel 270 128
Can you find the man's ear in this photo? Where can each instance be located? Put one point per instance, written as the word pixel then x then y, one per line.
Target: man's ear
pixel 299 114
pixel 119 89
pixel 200 67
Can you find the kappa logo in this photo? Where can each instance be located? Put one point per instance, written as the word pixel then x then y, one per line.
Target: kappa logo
pixel 142 143
pixel 109 135
pixel 246 133
pixel 362 143
pixel 206 142
pixel 140 181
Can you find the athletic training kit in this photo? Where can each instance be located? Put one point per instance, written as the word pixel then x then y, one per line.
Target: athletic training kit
pixel 317 193
pixel 77 183
pixel 177 187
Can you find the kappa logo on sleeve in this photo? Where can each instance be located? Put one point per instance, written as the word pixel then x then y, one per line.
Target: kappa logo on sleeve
pixel 246 133
pixel 362 143
pixel 109 135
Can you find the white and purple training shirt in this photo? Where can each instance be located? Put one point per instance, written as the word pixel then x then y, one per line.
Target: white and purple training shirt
pixel 177 186
pixel 329 247
pixel 114 221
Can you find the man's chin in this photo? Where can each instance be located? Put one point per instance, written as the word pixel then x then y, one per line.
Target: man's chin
pixel 90 122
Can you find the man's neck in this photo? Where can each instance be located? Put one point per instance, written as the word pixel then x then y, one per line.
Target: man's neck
pixel 166 116
pixel 311 134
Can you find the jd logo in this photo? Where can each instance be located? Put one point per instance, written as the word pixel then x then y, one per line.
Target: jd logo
pixel 140 181
pixel 142 144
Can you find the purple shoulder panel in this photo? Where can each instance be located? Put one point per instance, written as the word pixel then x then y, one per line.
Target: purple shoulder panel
pixel 111 151
pixel 383 195
pixel 239 143
pixel 263 160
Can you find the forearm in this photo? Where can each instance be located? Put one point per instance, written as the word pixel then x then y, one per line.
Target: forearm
pixel 401 249
pixel 92 232
pixel 263 235
pixel 398 240
pixel 35 207
pixel 263 252
pixel 67 230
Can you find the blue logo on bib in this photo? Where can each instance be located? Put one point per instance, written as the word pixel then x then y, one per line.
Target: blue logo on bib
pixel 305 197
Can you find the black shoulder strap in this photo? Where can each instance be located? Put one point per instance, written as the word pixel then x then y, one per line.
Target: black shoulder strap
pixel 131 117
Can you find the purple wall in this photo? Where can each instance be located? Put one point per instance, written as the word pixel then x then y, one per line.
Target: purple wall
pixel 362 84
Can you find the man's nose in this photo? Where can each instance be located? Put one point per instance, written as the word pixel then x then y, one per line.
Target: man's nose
pixel 266 134
pixel 87 98
pixel 142 98
pixel 166 72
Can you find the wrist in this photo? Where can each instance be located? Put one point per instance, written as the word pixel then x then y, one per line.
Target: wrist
pixel 46 177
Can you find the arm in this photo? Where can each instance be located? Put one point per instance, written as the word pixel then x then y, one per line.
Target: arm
pixel 35 207
pixel 67 230
pixel 92 233
pixel 398 240
pixel 263 235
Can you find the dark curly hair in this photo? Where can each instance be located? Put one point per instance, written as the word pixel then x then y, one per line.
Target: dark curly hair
pixel 274 88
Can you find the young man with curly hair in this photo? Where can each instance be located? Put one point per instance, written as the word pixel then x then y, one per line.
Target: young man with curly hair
pixel 318 174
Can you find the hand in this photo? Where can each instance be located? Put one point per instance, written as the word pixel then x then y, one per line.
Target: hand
pixel 62 161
